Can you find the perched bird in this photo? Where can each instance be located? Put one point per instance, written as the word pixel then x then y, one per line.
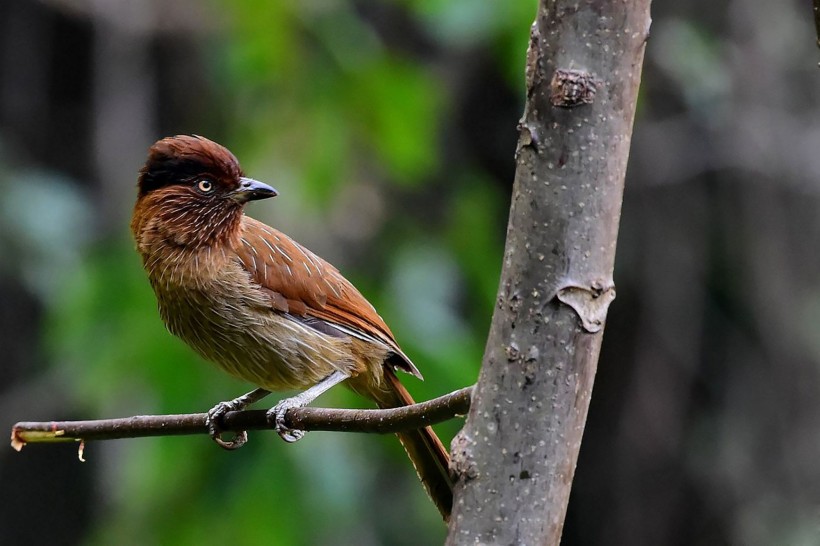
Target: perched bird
pixel 258 304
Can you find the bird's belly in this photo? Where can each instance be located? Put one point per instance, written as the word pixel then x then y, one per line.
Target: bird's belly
pixel 251 341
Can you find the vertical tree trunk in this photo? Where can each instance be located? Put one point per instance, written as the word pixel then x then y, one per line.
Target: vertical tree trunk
pixel 516 456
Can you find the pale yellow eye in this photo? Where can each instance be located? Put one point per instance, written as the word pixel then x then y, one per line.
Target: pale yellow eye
pixel 205 185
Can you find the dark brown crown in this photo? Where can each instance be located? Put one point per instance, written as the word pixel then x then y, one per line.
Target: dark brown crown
pixel 182 159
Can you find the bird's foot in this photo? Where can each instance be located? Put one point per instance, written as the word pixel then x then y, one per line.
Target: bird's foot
pixel 276 415
pixel 215 415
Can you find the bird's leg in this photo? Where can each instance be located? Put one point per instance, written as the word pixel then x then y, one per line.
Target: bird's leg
pixel 277 412
pixel 216 413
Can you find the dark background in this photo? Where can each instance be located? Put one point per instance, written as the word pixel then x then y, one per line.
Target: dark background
pixel 389 130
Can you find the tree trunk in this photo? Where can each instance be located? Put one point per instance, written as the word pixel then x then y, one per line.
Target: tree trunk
pixel 516 456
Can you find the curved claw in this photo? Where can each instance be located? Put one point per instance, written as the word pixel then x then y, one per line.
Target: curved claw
pixel 239 439
pixel 215 415
pixel 277 415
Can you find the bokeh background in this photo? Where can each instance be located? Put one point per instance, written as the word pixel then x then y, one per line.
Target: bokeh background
pixel 389 129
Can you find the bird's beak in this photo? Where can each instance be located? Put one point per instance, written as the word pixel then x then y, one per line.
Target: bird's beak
pixel 251 190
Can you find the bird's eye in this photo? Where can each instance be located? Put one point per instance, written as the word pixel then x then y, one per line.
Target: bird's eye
pixel 205 185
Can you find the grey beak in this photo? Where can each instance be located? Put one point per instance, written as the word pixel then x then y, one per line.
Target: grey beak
pixel 252 190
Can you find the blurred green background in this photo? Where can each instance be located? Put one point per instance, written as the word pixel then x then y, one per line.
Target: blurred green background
pixel 388 128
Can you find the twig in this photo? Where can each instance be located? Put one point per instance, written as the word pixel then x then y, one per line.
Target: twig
pixel 344 420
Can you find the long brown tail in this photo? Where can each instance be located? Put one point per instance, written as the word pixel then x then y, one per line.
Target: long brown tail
pixel 426 452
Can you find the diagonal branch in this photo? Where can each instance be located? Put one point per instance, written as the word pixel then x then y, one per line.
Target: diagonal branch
pixel 411 417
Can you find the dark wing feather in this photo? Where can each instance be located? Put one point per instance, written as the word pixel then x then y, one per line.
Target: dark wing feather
pixel 302 284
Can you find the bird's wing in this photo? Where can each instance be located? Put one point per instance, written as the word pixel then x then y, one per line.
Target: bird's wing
pixel 302 284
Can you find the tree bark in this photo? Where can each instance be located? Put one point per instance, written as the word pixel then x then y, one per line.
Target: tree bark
pixel 515 458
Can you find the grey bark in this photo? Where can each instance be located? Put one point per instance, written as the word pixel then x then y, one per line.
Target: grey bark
pixel 515 458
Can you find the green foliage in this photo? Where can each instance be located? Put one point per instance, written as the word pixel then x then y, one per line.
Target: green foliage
pixel 337 91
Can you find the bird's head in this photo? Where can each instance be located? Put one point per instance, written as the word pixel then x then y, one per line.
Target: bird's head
pixel 191 192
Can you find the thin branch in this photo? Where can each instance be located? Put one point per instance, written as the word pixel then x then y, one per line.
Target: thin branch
pixel 342 420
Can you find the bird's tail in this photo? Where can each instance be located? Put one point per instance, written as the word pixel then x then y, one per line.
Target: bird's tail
pixel 426 452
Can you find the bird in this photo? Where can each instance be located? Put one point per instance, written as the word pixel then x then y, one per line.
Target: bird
pixel 259 305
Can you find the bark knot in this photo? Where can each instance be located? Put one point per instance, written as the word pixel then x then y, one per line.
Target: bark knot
pixel 570 88
pixel 462 465
pixel 590 302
